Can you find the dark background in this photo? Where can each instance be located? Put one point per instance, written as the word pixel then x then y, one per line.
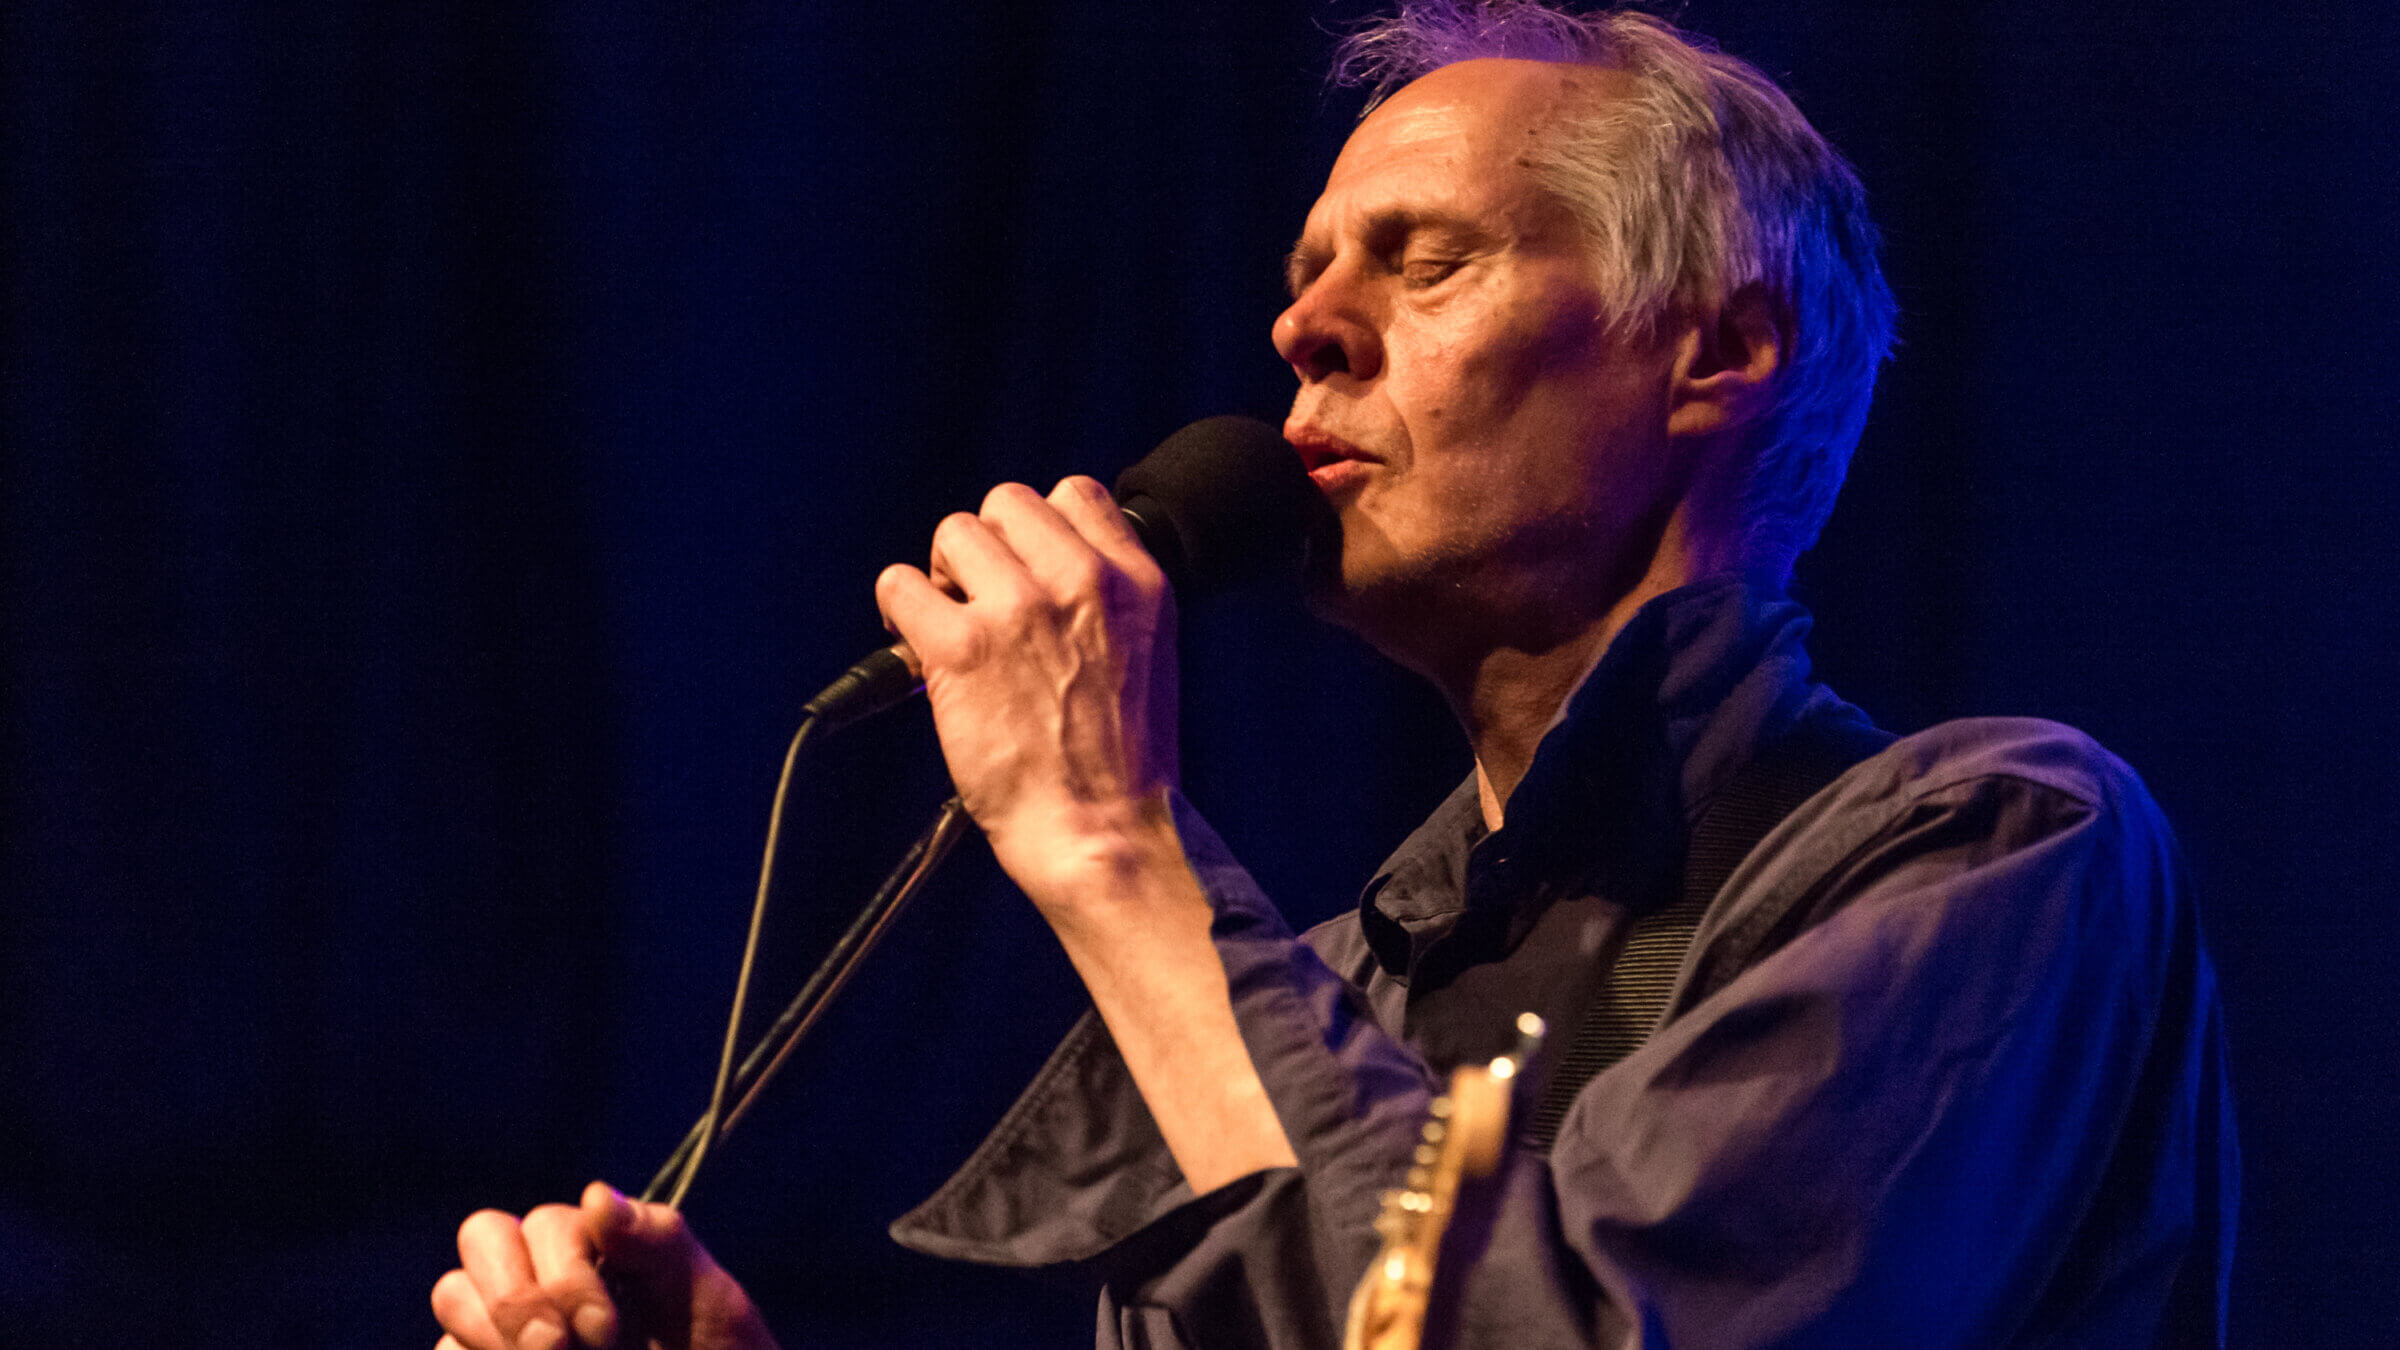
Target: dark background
pixel 443 444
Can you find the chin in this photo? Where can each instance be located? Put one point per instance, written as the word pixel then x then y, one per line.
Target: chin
pixel 1376 595
pixel 1338 592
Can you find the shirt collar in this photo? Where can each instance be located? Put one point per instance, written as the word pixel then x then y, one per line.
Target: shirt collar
pixel 1686 690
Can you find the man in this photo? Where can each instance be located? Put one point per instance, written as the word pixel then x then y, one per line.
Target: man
pixel 1585 323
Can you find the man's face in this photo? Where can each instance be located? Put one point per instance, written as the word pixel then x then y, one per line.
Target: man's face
pixel 1487 443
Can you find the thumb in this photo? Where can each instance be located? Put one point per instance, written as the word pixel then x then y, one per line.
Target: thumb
pixel 634 1234
pixel 672 1287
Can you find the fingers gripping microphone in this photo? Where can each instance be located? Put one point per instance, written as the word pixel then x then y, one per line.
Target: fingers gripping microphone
pixel 1221 502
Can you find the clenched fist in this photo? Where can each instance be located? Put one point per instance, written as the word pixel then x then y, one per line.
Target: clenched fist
pixel 535 1283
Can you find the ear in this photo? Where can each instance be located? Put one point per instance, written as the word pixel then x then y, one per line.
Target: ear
pixel 1728 365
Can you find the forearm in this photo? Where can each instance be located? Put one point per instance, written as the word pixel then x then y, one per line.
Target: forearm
pixel 1133 919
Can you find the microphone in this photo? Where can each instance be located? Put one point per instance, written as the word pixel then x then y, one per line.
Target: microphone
pixel 1219 503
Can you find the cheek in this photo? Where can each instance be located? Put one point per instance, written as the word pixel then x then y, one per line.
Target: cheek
pixel 1533 356
pixel 1434 374
pixel 1570 345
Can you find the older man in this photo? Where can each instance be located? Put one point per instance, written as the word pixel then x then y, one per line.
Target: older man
pixel 1586 321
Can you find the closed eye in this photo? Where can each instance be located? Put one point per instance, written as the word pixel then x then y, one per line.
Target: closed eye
pixel 1424 272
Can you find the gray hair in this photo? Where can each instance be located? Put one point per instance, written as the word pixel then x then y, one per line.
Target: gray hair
pixel 1706 180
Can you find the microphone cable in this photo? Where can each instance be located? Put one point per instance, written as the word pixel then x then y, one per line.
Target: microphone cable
pixel 712 1122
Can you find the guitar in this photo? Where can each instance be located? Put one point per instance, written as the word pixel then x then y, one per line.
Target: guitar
pixel 1466 1130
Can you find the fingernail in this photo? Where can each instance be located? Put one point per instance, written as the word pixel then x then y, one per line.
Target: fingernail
pixel 594 1325
pixel 541 1334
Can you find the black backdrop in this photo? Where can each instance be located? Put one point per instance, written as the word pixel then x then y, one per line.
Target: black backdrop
pixel 443 444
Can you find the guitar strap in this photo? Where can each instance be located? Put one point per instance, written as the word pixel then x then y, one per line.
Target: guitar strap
pixel 1631 1001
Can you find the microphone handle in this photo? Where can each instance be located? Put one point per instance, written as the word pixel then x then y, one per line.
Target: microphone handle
pixel 888 676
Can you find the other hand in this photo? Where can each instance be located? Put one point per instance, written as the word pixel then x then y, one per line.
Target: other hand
pixel 534 1284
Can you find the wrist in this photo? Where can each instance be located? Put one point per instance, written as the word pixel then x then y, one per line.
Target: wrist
pixel 1091 856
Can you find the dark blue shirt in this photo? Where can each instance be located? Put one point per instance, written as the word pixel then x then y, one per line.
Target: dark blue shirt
pixel 1944 1067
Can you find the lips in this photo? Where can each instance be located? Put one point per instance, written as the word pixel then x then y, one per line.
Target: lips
pixel 1321 450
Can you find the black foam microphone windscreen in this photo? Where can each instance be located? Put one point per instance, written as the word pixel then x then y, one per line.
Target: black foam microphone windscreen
pixel 1223 501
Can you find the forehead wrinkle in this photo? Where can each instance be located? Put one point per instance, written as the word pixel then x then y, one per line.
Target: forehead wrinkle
pixel 1497 109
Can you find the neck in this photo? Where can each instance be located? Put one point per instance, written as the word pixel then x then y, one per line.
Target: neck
pixel 1507 695
pixel 1512 697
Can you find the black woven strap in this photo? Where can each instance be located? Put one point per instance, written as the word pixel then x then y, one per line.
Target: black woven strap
pixel 1632 999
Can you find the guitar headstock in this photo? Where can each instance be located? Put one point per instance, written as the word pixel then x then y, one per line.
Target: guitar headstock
pixel 1464 1135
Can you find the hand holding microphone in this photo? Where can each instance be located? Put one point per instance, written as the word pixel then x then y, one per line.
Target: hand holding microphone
pixel 1049 664
pixel 1048 652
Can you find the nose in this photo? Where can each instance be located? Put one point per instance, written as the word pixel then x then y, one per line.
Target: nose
pixel 1323 333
